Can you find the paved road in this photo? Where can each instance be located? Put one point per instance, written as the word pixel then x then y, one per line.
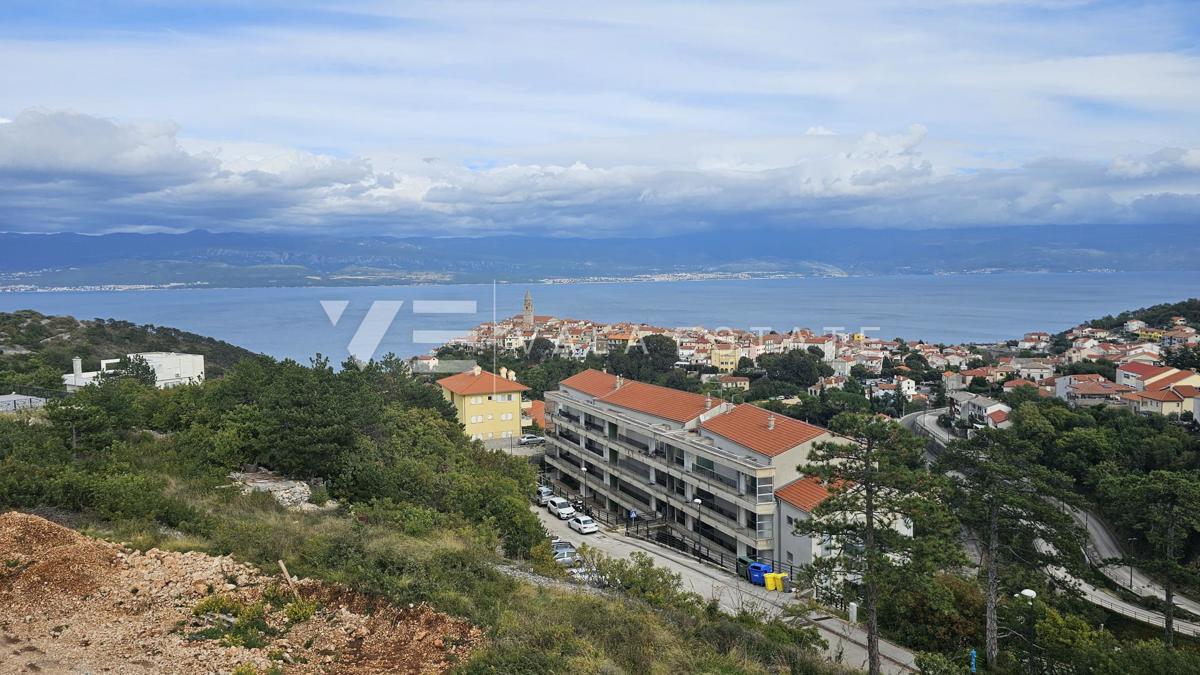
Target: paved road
pixel 1102 545
pixel 1105 599
pixel 847 642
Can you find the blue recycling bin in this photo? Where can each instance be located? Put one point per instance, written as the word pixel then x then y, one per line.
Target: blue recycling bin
pixel 756 571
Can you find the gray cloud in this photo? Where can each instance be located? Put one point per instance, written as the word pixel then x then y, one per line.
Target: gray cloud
pixel 72 171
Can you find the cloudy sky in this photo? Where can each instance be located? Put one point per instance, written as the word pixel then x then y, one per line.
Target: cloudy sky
pixel 596 118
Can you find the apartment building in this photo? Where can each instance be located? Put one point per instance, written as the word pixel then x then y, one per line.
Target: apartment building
pixel 628 446
pixel 489 406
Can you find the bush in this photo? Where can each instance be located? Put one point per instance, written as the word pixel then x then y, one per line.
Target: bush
pixel 300 610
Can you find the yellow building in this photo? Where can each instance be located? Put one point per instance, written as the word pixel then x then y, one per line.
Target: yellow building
pixel 724 357
pixel 489 406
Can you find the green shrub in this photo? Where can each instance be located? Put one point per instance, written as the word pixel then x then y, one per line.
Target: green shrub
pixel 300 610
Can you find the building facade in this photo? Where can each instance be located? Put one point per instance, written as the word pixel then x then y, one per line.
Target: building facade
pixel 705 468
pixel 489 406
pixel 171 369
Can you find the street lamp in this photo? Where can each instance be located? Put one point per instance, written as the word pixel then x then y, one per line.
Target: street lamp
pixel 1030 623
pixel 699 523
pixel 583 491
pixel 1130 541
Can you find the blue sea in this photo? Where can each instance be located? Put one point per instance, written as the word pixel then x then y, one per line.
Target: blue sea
pixel 291 322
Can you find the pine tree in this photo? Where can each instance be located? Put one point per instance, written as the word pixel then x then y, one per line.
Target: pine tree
pixel 1006 496
pixel 1165 507
pixel 875 476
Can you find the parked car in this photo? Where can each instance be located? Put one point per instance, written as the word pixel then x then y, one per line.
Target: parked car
pixel 561 545
pixel 532 439
pixel 566 558
pixel 542 495
pixel 582 524
pixel 560 507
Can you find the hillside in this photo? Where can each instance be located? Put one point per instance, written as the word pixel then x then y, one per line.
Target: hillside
pixel 227 259
pixel 36 349
pixel 1156 315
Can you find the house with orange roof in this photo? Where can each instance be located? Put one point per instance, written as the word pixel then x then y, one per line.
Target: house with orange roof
pixel 1089 389
pixel 797 501
pixel 703 468
pixel 490 406
pixel 1171 400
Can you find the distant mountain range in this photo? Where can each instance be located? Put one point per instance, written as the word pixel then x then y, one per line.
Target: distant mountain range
pixel 250 260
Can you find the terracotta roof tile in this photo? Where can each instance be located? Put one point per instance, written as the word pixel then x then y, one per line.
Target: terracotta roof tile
pixel 747 425
pixel 470 384
pixel 1167 381
pixel 591 382
pixel 1143 370
pixel 662 402
pixel 537 412
pixel 803 493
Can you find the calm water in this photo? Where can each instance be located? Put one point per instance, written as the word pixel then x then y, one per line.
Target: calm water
pixel 290 322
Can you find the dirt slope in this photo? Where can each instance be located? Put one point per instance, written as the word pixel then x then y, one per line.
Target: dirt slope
pixel 72 604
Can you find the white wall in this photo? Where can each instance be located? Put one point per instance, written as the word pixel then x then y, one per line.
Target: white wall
pixel 172 369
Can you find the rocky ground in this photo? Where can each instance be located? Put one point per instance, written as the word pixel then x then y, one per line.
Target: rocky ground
pixel 72 604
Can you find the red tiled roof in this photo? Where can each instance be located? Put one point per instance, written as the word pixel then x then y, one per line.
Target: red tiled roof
pixel 1164 382
pixel 998 416
pixel 470 384
pixel 663 402
pixel 1143 370
pixel 1013 384
pixel 747 425
pixel 537 412
pixel 803 493
pixel 1098 387
pixel 1164 395
pixel 591 382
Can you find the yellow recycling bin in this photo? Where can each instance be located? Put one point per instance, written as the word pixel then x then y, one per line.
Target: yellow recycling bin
pixel 772 579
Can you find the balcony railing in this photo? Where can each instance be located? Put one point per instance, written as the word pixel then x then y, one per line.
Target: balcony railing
pixel 636 467
pixel 713 475
pixel 634 442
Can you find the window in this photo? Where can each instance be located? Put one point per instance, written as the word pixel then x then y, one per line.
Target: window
pixel 506 416
pixel 764 529
pixel 476 419
pixel 790 558
pixel 791 520
pixel 766 489
pixel 489 416
pixel 475 400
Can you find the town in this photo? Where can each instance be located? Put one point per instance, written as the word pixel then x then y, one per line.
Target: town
pixel 1122 366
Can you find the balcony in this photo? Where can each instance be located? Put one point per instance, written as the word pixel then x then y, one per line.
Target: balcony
pixel 635 443
pixel 714 476
pixel 637 468
pixel 594 447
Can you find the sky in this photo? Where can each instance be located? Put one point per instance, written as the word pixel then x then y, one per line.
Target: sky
pixel 596 119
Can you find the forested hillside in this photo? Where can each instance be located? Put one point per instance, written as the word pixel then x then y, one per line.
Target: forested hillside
pixel 425 515
pixel 35 349
pixel 1155 315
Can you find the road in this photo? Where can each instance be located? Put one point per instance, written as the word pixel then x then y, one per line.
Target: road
pixel 846 641
pixel 1102 545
